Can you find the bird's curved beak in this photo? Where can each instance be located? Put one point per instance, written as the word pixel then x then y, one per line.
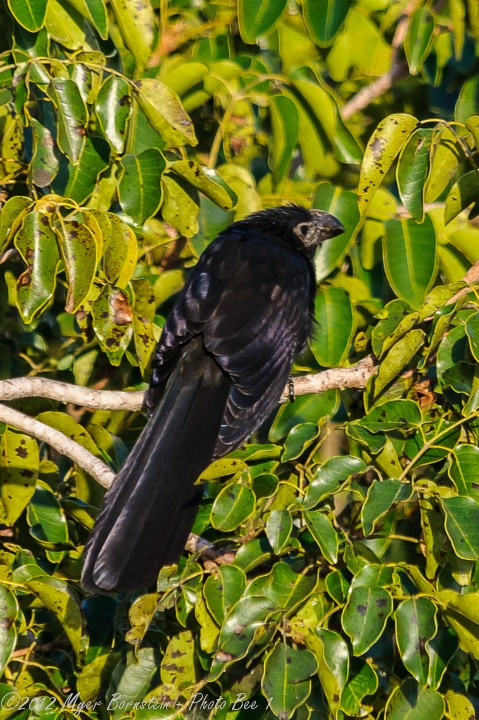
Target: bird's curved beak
pixel 328 225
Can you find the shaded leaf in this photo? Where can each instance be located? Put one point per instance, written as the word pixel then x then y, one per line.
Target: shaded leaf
pixel 113 108
pixel 36 242
pixel 139 189
pixel 418 38
pixel 79 252
pixel 257 17
pixel 364 616
pixel 324 20
pixel 44 164
pixel 71 113
pixel 286 678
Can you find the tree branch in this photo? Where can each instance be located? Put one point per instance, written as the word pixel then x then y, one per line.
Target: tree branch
pixel 64 392
pixel 63 444
pixel 355 376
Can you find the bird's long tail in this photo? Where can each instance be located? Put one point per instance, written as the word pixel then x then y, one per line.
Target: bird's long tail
pixel 148 513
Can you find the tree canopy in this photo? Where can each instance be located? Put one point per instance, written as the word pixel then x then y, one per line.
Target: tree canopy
pixel 341 573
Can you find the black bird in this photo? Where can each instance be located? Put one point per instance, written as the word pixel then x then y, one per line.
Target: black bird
pixel 219 369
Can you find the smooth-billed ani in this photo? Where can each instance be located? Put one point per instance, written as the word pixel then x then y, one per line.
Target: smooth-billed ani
pixel 221 364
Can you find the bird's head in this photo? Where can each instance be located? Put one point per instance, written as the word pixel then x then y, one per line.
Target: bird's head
pixel 295 223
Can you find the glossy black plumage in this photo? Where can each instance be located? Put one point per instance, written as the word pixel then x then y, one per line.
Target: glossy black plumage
pixel 219 369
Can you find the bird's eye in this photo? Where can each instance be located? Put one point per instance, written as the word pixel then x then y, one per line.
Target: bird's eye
pixel 303 229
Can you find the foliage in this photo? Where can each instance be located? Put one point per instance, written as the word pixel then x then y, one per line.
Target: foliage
pixel 132 133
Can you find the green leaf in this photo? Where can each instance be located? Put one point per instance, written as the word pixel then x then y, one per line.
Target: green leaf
pixel 441 649
pixel 11 217
pixel 95 674
pixel 113 109
pixel 324 534
pixel 278 529
pixel 285 126
pixel 332 654
pixel 143 314
pixel 179 208
pixel 121 253
pixel 382 496
pixel 324 20
pixel 136 21
pixel 415 625
pixel 409 252
pixel 445 155
pixel 364 616
pixel 453 368
pixel 139 189
pixel 112 322
pixel 45 517
pixel 397 359
pixel 64 25
pixel 462 526
pixel 131 680
pixel 246 618
pixel 418 39
pixel 286 676
pixel 30 14
pixel 95 12
pixel 299 438
pixel 165 112
pixel 71 428
pixel 44 164
pixel 361 682
pixel 322 109
pixel 458 706
pixel 335 326
pixel 234 504
pixel 37 244
pixel 330 476
pixel 207 181
pixel 8 633
pixel 71 113
pixel 462 194
pixel 392 415
pixel 395 322
pixel 257 17
pixel 54 595
pixel 472 332
pixel 343 204
pixel 79 252
pixel 384 145
pixel 410 701
pixel 222 468
pixel 82 178
pixel 223 590
pixel 283 586
pixel 461 612
pixel 178 662
pixel 412 170
pixel 19 472
pixel 305 409
pixel 464 470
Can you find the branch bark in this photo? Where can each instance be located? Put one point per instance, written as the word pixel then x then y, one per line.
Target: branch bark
pixel 355 376
pixel 63 444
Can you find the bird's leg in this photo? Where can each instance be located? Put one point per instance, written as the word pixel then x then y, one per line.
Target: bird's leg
pixel 291 394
